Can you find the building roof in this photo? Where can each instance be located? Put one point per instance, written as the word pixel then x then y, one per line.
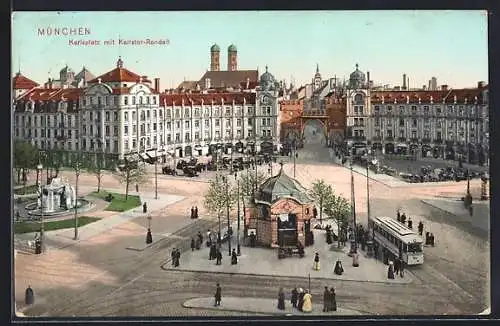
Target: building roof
pixel 215 48
pixel 415 97
pixel 85 75
pixel 207 99
pixel 119 75
pixel 188 84
pixel 52 94
pixel 281 185
pixel 232 48
pixel 21 82
pixel 229 78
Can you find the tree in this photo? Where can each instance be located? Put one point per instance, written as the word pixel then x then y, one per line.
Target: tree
pixel 132 173
pixel 25 157
pixel 340 209
pixel 219 195
pixel 96 167
pixel 249 181
pixel 321 193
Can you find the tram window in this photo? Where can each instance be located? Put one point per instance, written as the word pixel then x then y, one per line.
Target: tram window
pixel 414 247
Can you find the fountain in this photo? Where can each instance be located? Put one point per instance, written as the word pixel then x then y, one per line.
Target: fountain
pixel 57 198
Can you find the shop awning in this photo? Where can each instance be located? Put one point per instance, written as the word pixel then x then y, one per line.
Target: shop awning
pixel 151 154
pixel 144 156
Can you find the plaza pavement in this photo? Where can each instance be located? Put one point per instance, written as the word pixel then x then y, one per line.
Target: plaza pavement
pixel 264 261
pixel 264 306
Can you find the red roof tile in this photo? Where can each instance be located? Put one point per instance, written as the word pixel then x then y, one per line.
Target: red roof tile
pixel 21 82
pixel 196 99
pixel 119 75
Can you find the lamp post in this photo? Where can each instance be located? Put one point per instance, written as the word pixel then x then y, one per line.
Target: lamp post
pixel 156 173
pixel 39 168
pixel 226 184
pixel 367 189
pixel 294 153
pixel 77 174
pixel 238 247
pixel 353 249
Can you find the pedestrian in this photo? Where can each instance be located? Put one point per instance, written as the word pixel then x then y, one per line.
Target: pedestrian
pixel 192 212
pixel 144 208
pixel 333 300
pixel 410 223
pixel 177 257
pixel 401 269
pixel 212 252
pixel 420 228
pixel 218 295
pixel 173 255
pixel 390 271
pixel 398 216
pixel 431 239
pixel 218 258
pixel 427 237
pixel 403 218
pixel 234 258
pixel 281 299
pixel 355 260
pixel 200 236
pixel 192 244
pixel 307 302
pixel 300 298
pixel 294 297
pixel 316 262
pixel 329 236
pixel 196 212
pixel 326 300
pixel 29 296
pixel 396 266
pixel 338 268
pixel 209 238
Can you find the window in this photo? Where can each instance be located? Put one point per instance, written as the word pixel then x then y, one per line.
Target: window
pixel 154 127
pixel 401 122
pixel 148 114
pixel 228 122
pixel 197 135
pixel 426 110
pixel 125 116
pixel 389 122
pixel 389 108
pixel 217 122
pixel 389 133
pixel 438 124
pixel 414 134
pixel 177 125
pixel 249 122
pixel 377 122
pixel 377 108
pixel 177 137
pixel 147 102
pixel 413 109
pixel 134 143
pixel 427 135
pixel 438 135
pixel 186 112
pixel 115 145
pixel 414 123
pixel 197 124
pixel 207 123
pixel 401 134
pixel 133 100
pixel 197 112
pixel 107 115
pixel 186 123
pixel 115 116
pixel 228 111
pixel 154 99
pixel 134 116
pixel 115 131
pixel 238 122
pixel 125 130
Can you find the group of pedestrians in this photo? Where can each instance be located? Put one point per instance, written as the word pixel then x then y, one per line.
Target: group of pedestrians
pixel 176 256
pixel 429 237
pixel 300 299
pixel 396 267
pixel 196 242
pixel 194 212
pixel 338 269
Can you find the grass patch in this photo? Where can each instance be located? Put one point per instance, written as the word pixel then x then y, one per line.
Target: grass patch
pixel 118 204
pixel 31 189
pixel 29 227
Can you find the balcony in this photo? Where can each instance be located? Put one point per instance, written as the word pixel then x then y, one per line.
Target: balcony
pixel 389 138
pixel 402 139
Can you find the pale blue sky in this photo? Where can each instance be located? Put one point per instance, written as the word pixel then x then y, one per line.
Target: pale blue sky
pixel 451 45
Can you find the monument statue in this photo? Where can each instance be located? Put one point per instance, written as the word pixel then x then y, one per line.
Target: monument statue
pixel 58 195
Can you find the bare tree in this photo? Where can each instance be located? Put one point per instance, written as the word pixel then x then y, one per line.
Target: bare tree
pixel 132 173
pixel 249 181
pixel 340 209
pixel 220 194
pixel 96 167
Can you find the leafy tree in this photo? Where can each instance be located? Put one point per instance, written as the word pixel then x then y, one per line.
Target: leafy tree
pixel 249 181
pixel 96 167
pixel 220 194
pixel 132 173
pixel 25 158
pixel 321 193
pixel 339 208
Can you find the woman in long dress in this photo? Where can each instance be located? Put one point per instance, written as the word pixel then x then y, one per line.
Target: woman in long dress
pixel 316 262
pixel 307 305
pixel 281 300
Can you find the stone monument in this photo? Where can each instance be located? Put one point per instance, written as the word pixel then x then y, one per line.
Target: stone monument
pixel 59 195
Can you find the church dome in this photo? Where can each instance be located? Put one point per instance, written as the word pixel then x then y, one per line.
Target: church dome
pixel 215 48
pixel 232 48
pixel 65 70
pixel 267 80
pixel 357 78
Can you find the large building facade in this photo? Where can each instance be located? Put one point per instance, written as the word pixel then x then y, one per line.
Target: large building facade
pixel 121 113
pixel 446 123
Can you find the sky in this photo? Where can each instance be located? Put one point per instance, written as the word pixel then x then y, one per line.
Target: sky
pixel 449 45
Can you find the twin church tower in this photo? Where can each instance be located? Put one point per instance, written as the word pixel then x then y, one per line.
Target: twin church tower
pixel 232 58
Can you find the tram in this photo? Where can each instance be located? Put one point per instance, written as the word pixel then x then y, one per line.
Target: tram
pixel 398 239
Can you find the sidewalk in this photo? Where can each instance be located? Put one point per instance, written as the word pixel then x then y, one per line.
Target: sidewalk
pixel 479 219
pixel 263 306
pixel 370 270
pixel 59 239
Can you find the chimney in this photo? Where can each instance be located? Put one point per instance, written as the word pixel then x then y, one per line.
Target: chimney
pixel 368 78
pixel 157 85
pixel 404 81
pixel 444 87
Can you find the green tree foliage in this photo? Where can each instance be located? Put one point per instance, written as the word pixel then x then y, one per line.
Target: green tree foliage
pixel 321 193
pixel 248 181
pixel 132 173
pixel 219 196
pixel 339 208
pixel 25 158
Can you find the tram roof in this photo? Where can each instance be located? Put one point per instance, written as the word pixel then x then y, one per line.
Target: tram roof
pixel 398 229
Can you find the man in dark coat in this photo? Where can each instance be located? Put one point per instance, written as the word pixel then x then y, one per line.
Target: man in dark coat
pixel 402 268
pixel 218 295
pixel 326 300
pixel 431 239
pixel 300 300
pixel 281 299
pixel 396 266
pixel 213 252
pixel 390 271
pixel 294 298
pixel 173 255
pixel 234 258
pixel 398 216
pixel 196 212
pixel 192 212
pixel 329 236
pixel 403 218
pixel 420 228
pixel 218 257
pixel 427 237
pixel 333 300
pixel 177 257
pixel 410 223
pixel 193 244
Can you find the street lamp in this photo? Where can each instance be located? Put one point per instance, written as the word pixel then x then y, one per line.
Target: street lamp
pixel 77 174
pixel 226 184
pixel 367 189
pixel 39 169
pixel 353 249
pixel 156 173
pixel 238 247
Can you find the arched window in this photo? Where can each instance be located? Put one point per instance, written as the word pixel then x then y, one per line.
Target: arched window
pixel 358 98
